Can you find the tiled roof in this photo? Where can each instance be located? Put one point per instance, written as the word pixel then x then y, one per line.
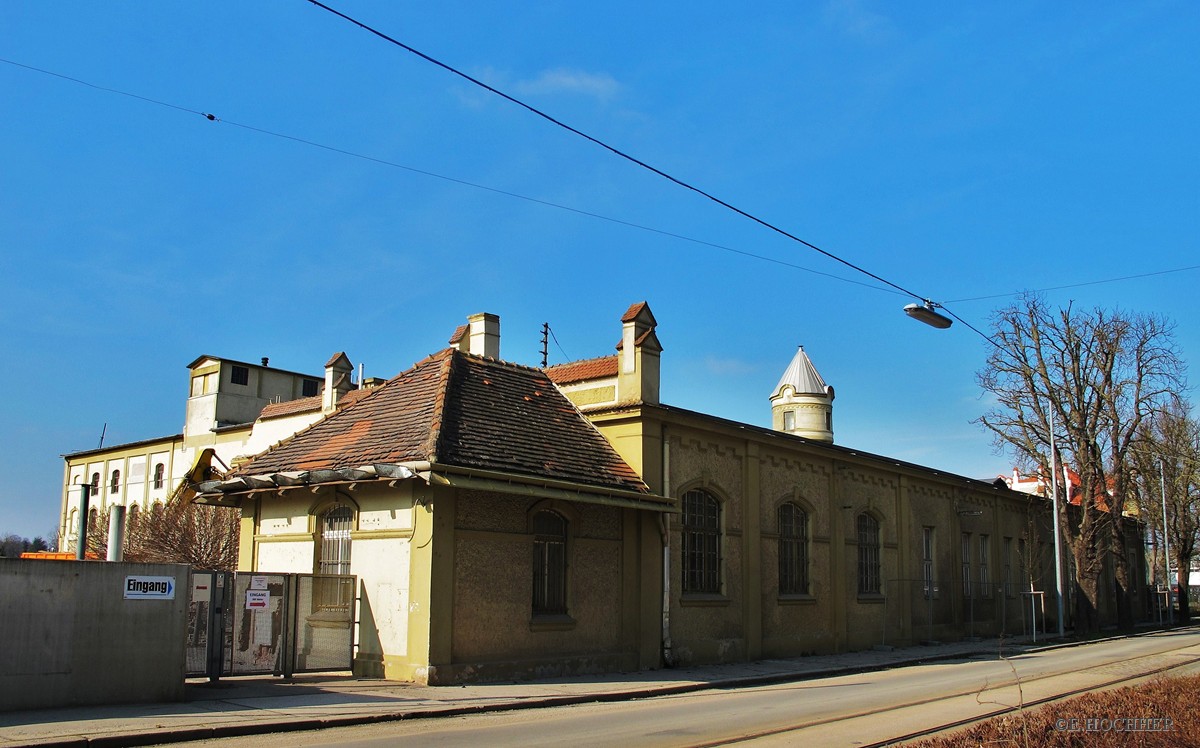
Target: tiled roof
pixel 634 310
pixel 458 334
pixel 334 359
pixel 461 410
pixel 579 371
pixel 290 407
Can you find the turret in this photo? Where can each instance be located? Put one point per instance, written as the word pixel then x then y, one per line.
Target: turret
pixel 802 404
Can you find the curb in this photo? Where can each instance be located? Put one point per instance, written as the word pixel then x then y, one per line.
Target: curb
pixel 259 727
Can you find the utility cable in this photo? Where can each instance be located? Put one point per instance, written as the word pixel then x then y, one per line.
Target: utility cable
pixel 1080 285
pixel 559 206
pixel 462 182
pixel 614 150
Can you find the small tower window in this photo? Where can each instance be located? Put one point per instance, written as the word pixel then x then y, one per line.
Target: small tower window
pixel 789 420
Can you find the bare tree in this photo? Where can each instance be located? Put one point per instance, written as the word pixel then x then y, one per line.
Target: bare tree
pixel 178 532
pixel 1166 470
pixel 1096 376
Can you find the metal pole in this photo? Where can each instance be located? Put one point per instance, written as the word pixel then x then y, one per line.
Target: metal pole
pixel 116 533
pixel 1162 476
pixel 1058 581
pixel 81 533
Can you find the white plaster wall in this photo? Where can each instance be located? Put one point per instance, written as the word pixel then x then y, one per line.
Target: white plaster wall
pixel 382 566
pixel 285 557
pixel 267 433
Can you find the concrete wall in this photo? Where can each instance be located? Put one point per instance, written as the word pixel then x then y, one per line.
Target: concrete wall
pixel 69 636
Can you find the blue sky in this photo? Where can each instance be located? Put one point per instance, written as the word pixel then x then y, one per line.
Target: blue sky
pixel 960 150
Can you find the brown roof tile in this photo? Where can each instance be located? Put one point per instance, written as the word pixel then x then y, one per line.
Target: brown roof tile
pixel 579 371
pixel 634 310
pixel 457 409
pixel 290 407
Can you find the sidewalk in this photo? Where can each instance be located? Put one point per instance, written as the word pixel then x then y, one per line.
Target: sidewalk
pixel 265 704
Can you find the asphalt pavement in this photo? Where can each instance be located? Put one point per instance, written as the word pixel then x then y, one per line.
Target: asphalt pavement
pixel 267 704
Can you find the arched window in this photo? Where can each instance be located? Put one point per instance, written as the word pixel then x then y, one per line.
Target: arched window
pixel 868 555
pixel 132 517
pixel 159 471
pixel 793 550
pixel 114 483
pixel 95 490
pixel 549 563
pixel 156 511
pixel 701 542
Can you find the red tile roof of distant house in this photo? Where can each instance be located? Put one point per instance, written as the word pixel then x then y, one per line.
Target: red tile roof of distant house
pixel 579 371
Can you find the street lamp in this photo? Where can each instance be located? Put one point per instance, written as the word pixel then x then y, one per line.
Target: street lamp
pixel 927 313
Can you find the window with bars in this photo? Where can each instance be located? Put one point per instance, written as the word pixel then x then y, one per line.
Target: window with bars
pixel 966 564
pixel 309 388
pixel 869 577
pixel 985 580
pixel 701 544
pixel 549 563
pixel 336 524
pixel 239 375
pixel 793 550
pixel 927 560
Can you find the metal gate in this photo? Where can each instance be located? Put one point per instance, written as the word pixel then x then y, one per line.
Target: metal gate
pixel 271 623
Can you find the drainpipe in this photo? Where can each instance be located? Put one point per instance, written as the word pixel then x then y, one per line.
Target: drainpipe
pixel 664 525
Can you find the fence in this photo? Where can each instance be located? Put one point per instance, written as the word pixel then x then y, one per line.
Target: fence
pixel 270 623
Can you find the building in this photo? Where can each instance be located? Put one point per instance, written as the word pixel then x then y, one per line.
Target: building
pixel 496 535
pixel 234 409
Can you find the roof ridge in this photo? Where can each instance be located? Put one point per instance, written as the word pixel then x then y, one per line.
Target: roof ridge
pixel 584 360
pixel 446 358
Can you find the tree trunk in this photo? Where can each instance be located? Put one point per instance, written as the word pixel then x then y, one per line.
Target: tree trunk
pixel 1087 614
pixel 1183 567
pixel 1121 574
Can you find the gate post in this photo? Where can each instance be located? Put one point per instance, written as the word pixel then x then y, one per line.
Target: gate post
pixel 290 623
pixel 219 587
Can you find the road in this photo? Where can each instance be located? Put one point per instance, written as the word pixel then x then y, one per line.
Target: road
pixel 855 710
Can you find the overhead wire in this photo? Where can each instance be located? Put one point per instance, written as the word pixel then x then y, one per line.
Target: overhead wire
pixel 616 151
pixel 599 216
pixel 384 162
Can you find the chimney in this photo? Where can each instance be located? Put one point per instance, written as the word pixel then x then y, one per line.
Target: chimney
pixel 638 356
pixel 265 361
pixel 337 381
pixel 484 335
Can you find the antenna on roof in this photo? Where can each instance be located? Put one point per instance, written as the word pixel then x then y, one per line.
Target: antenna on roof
pixel 102 432
pixel 545 343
